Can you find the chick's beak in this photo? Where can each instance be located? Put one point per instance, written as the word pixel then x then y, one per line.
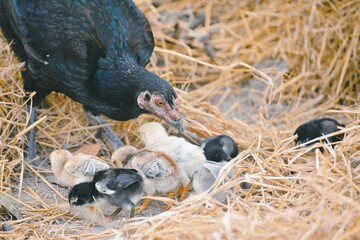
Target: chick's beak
pixel 72 200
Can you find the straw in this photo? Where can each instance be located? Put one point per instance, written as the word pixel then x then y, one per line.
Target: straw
pixel 277 64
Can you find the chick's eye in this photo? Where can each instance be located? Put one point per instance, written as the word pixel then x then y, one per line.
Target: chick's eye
pixel 159 103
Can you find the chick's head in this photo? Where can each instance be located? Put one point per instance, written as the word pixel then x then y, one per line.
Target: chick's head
pixel 151 132
pixel 58 158
pixel 123 155
pixel 82 193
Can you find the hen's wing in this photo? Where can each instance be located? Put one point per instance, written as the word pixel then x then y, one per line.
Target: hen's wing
pixel 64 39
pixel 58 37
pixel 139 34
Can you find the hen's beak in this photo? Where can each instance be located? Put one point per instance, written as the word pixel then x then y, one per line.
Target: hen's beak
pixel 174 119
pixel 177 124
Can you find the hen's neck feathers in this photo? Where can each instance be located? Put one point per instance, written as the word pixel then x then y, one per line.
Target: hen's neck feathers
pixel 117 84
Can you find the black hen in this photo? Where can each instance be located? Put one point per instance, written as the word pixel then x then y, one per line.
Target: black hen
pixel 93 51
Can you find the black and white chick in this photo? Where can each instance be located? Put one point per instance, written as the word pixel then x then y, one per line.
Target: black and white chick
pixel 219 148
pixel 120 187
pixel 317 128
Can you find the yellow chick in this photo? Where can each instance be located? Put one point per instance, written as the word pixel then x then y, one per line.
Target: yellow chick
pixel 160 172
pixel 72 169
pixel 187 155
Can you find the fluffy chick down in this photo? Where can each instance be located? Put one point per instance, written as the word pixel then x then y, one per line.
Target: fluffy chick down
pixel 205 176
pixel 119 187
pixel 72 169
pixel 160 172
pixel 220 148
pixel 187 155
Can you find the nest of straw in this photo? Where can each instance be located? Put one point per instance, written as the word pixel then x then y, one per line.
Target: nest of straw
pixel 254 70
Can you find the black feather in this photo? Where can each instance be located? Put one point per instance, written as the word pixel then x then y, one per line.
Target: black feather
pixel 317 128
pixel 126 183
pixel 93 51
pixel 220 148
pixel 83 193
pixel 127 186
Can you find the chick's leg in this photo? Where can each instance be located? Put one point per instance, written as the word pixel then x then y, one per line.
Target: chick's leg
pixel 172 194
pixel 179 191
pixel 106 132
pixel 132 212
pixel 144 205
pixel 116 212
pixel 184 191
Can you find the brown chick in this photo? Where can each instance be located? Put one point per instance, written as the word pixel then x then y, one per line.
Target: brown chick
pixel 188 156
pixel 160 172
pixel 72 169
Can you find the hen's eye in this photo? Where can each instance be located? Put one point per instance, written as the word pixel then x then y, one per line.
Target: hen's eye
pixel 147 97
pixel 159 103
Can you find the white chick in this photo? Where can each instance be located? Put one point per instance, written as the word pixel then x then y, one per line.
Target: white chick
pixel 74 169
pixel 187 155
pixel 204 177
pixel 160 172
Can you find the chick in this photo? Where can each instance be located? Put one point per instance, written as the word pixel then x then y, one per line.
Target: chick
pixel 122 188
pixel 204 177
pixel 318 128
pixel 187 155
pixel 73 169
pixel 220 148
pixel 83 194
pixel 160 172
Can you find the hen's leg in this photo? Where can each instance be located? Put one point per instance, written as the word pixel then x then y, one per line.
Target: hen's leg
pixel 30 148
pixel 106 132
pixel 32 107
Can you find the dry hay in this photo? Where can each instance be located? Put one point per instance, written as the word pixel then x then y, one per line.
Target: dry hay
pixel 277 65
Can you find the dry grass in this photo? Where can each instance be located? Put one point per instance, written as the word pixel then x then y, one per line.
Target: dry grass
pixel 300 194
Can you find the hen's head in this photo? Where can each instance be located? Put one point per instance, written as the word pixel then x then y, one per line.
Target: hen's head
pixel 163 105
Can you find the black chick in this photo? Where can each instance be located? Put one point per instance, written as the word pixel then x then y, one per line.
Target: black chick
pixel 317 128
pixel 120 187
pixel 94 52
pixel 220 148
pixel 83 194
